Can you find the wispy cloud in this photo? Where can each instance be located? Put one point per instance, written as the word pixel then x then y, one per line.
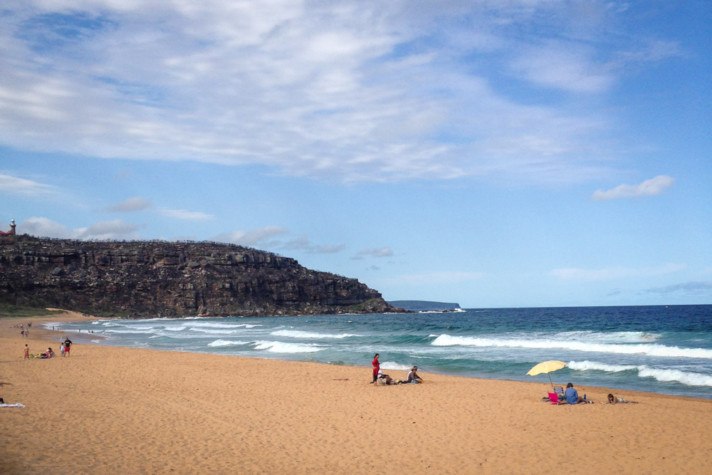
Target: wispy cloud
pixel 568 67
pixel 376 252
pixel 304 244
pixel 255 237
pixel 22 186
pixel 348 90
pixel 651 187
pixel 130 205
pixel 684 288
pixel 45 227
pixel 613 273
pixel 186 214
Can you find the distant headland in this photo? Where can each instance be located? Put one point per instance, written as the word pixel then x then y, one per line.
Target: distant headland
pixel 425 306
pixel 135 279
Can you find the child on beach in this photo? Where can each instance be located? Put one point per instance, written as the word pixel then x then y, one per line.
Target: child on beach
pixel 27 352
pixel 618 400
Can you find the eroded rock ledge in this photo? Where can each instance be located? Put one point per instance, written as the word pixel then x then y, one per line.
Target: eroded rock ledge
pixel 157 278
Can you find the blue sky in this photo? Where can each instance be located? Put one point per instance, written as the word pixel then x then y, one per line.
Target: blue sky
pixel 492 153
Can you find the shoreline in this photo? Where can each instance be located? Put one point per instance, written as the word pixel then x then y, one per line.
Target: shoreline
pixel 632 386
pixel 85 338
pixel 127 410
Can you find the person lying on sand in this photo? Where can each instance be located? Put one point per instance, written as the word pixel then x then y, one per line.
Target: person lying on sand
pixel 572 397
pixel 47 354
pixel 385 379
pixel 618 400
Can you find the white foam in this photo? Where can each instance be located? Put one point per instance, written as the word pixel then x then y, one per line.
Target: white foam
pixel 548 344
pixel 194 324
pixel 130 331
pixel 214 332
pixel 175 328
pixel 687 378
pixel 608 337
pixel 281 347
pixel 221 343
pixel 313 335
pixel 395 366
pixel 595 366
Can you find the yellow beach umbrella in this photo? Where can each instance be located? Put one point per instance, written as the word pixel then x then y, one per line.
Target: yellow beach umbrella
pixel 546 367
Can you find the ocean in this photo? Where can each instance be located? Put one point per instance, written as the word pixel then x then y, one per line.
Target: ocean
pixel 660 349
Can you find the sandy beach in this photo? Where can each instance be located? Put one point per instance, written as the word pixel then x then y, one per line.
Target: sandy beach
pixel 118 410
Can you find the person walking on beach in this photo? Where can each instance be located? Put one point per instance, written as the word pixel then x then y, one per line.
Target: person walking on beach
pixel 27 352
pixel 376 367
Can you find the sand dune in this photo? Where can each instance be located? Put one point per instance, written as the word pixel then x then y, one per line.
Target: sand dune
pixel 117 410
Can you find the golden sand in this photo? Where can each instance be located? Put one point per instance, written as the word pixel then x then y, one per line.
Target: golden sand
pixel 117 410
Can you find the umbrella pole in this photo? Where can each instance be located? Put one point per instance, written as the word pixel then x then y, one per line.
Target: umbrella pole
pixel 552 383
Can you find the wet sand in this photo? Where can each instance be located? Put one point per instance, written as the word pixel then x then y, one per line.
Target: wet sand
pixel 119 410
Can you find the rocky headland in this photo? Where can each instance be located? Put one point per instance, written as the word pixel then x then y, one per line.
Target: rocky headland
pixel 137 279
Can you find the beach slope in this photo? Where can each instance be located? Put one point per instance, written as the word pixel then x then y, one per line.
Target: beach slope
pixel 118 410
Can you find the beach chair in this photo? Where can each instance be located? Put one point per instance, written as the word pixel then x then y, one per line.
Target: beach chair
pixel 554 398
pixel 559 390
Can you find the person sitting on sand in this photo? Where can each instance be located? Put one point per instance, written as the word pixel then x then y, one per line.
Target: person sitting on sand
pixel 48 354
pixel 618 400
pixel 572 397
pixel 413 376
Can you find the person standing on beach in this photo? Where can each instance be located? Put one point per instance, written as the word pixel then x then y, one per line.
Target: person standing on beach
pixel 376 367
pixel 67 346
pixel 27 352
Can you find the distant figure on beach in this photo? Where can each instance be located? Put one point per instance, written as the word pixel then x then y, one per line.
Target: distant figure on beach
pixel 413 376
pixel 618 400
pixel 572 396
pixel 67 346
pixel 48 354
pixel 27 352
pixel 376 367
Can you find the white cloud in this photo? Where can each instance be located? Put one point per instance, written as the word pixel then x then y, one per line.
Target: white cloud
pixel 304 244
pixel 613 273
pixel 651 187
pixel 255 237
pixel 45 227
pixel 563 66
pixel 23 186
pixel 130 205
pixel 684 288
pixel 377 252
pixel 115 229
pixel 186 214
pixel 340 90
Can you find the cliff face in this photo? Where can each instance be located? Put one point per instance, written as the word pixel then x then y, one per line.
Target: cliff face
pixel 150 279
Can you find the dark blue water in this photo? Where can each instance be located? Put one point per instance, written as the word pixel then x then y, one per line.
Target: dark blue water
pixel 657 349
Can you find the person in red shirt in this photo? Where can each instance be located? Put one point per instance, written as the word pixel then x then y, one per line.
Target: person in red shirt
pixel 376 367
